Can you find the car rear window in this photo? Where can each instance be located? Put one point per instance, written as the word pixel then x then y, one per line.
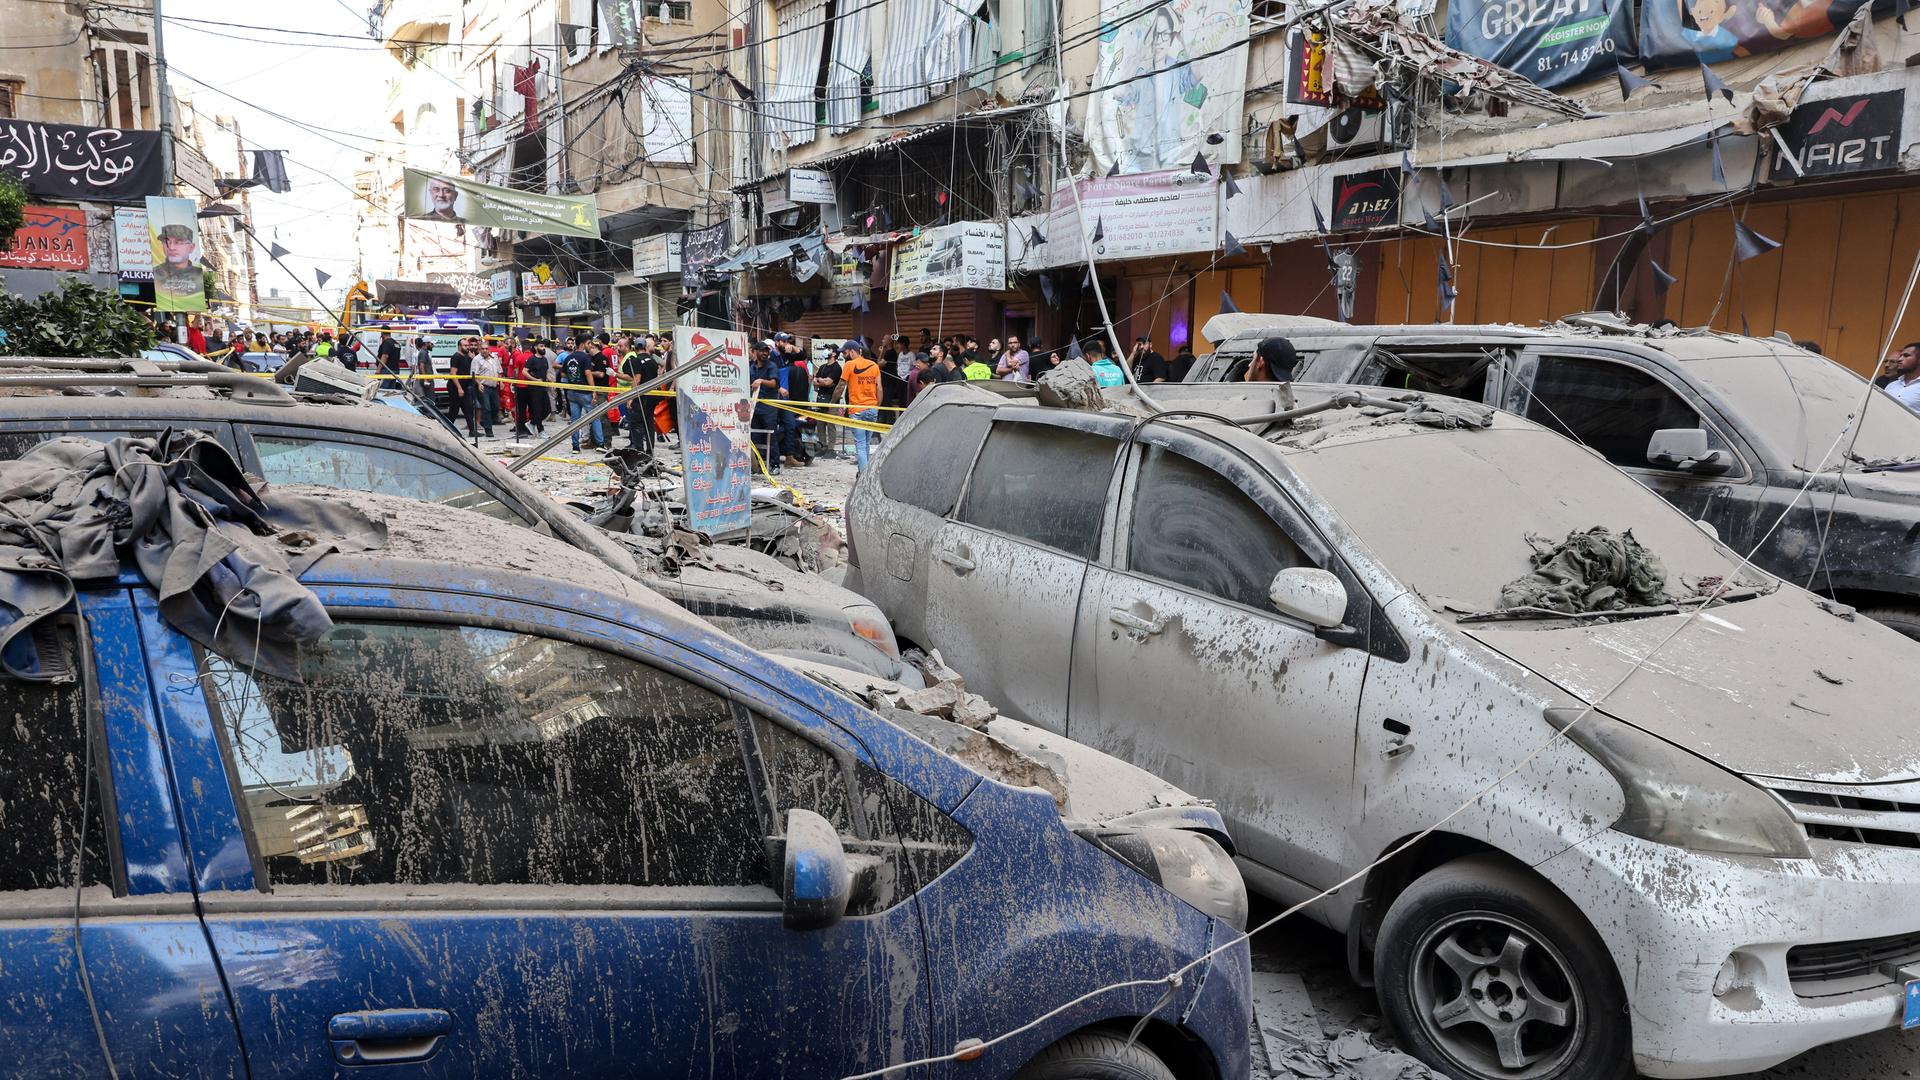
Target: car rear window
pixel 928 467
pixel 1044 483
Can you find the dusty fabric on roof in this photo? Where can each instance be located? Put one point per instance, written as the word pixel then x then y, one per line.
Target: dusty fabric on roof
pixel 1595 570
pixel 224 560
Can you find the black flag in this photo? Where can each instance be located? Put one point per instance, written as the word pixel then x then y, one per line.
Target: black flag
pixel 1429 222
pixel 1226 175
pixel 1719 166
pixel 322 277
pixel 1662 281
pixel 1319 223
pixel 1406 164
pixel 1099 230
pixel 1035 239
pixel 1646 216
pixel 276 252
pixel 1629 82
pixel 1047 290
pixel 1227 306
pixel 1115 171
pixel 1446 196
pixel 1713 84
pixel 1199 166
pixel 1233 247
pixel 1747 243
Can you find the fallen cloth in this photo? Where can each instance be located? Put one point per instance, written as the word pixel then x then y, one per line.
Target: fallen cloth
pixel 1595 570
pixel 224 559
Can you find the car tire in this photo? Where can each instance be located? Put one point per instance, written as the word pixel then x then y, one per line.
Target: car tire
pixel 1095 1055
pixel 1486 973
pixel 1901 617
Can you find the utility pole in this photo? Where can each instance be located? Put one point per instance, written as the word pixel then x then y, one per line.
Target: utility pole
pixel 246 215
pixel 166 95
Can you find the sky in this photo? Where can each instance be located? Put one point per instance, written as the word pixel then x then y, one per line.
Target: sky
pixel 334 83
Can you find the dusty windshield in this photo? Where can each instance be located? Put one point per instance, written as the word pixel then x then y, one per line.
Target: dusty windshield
pixel 1803 402
pixel 1450 512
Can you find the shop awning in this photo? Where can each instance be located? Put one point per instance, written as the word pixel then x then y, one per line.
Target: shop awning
pixel 768 254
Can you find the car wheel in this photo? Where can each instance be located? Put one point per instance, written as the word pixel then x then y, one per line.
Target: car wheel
pixel 1095 1055
pixel 1486 973
pixel 1902 618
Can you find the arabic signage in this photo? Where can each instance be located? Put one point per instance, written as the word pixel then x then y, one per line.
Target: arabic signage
pixel 52 238
pixel 133 245
pixel 439 197
pixel 970 255
pixel 1855 134
pixel 1677 32
pixel 699 249
pixel 657 256
pixel 194 170
pixel 1169 81
pixel 810 186
pixel 715 414
pixel 1552 42
pixel 535 291
pixel 1164 213
pixel 666 108
pixel 62 161
pixel 1365 200
pixel 1307 79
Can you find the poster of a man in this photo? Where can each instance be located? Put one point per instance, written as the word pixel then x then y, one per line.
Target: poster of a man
pixel 442 200
pixel 1169 84
pixel 179 279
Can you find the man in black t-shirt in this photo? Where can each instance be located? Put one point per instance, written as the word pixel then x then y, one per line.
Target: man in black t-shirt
pixel 389 352
pixel 639 366
pixel 464 396
pixel 1148 365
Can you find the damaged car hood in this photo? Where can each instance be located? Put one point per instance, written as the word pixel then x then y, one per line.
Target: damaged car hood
pixel 1785 685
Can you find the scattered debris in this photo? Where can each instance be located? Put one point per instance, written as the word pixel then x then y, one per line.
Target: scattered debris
pixel 1071 386
pixel 1834 679
pixel 1595 570
pixel 1441 412
pixel 1837 609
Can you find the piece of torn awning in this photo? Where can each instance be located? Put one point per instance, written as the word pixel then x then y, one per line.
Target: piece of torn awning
pixel 1601 148
pixel 768 254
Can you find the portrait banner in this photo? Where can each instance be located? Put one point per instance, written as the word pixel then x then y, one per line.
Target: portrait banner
pixel 1169 83
pixel 716 415
pixel 179 279
pixel 439 197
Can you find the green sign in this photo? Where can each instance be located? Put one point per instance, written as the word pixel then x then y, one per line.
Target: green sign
pixel 439 197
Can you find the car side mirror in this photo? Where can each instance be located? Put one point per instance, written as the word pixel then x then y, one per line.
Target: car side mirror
pixel 815 881
pixel 1312 595
pixel 1685 449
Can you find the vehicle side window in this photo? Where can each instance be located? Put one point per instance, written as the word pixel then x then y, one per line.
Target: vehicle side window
pixel 928 467
pixel 1611 407
pixel 13 444
pixel 430 754
pixel 43 772
pixel 1045 483
pixel 364 467
pixel 1193 527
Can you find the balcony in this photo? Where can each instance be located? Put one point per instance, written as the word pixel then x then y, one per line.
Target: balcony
pixel 413 20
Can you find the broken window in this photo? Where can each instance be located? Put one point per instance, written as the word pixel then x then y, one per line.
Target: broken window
pixel 1044 483
pixel 13 444
pixel 1192 527
pixel 365 467
pixel 1613 408
pixel 43 771
pixel 436 754
pixel 928 467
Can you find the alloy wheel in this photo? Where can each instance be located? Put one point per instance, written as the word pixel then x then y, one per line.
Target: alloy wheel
pixel 1496 997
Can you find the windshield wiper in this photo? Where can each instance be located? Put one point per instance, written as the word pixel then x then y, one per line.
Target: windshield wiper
pixel 1873 465
pixel 1674 607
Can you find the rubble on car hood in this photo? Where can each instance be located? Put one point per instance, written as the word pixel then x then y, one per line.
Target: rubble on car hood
pixel 1089 787
pixel 1591 570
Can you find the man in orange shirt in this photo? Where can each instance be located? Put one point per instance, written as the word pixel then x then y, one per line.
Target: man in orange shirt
pixel 862 376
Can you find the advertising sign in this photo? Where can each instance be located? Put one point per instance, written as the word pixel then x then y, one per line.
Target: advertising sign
pixel 700 249
pixel 970 255
pixel 715 414
pixel 62 161
pixel 1554 43
pixel 1163 213
pixel 179 280
pixel 1855 134
pixel 666 108
pixel 1676 32
pixel 1365 200
pixel 657 256
pixel 500 286
pixel 50 239
pixel 535 291
pixel 1168 78
pixel 439 197
pixel 810 186
pixel 133 245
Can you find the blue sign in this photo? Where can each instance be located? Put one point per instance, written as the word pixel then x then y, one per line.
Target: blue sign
pixel 715 416
pixel 1678 32
pixel 1912 1017
pixel 1552 42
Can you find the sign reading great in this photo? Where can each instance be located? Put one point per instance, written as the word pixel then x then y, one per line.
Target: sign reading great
pixel 51 238
pixel 1859 133
pixel 1552 42
pixel 438 197
pixel 63 161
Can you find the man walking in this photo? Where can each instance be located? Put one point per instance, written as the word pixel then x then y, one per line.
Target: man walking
pixel 462 395
pixel 486 387
pixel 862 376
pixel 575 376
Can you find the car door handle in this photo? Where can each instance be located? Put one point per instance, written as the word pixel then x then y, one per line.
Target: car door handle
pixel 1123 617
pixel 381 1036
pixel 956 560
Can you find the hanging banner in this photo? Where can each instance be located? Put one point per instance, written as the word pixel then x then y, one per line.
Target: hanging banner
pixel 52 238
pixel 1164 213
pixel 666 110
pixel 1855 134
pixel 970 255
pixel 133 244
pixel 1677 32
pixel 439 197
pixel 1365 200
pixel 699 249
pixel 179 281
pixel 1168 83
pixel 82 164
pixel 715 414
pixel 1554 44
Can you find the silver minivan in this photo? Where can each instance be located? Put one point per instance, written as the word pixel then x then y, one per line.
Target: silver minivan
pixel 1661 837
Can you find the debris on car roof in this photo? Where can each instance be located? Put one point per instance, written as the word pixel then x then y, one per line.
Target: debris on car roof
pixel 1071 386
pixel 1595 570
pixel 225 560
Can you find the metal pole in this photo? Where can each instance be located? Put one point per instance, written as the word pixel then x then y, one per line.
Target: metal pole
pixel 595 413
pixel 166 96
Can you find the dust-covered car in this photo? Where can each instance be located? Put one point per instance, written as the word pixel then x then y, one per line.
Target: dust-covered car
pixel 1735 431
pixel 1354 617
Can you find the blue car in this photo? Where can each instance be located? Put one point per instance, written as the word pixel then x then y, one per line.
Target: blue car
pixel 519 816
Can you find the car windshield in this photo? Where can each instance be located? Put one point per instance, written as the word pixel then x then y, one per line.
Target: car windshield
pixel 1804 401
pixel 1449 512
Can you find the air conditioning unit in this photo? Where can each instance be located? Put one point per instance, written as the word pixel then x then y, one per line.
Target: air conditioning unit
pixel 1358 129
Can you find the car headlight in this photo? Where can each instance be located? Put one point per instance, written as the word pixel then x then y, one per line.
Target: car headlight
pixel 873 628
pixel 1190 865
pixel 1678 798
